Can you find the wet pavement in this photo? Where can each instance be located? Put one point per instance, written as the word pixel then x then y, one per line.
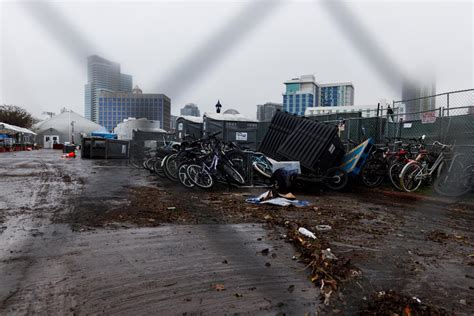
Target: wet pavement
pixel 94 236
pixel 49 268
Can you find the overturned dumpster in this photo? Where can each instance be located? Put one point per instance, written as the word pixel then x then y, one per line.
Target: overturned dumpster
pixel 315 145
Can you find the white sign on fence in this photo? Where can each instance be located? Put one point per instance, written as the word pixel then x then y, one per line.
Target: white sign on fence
pixel 428 117
pixel 241 136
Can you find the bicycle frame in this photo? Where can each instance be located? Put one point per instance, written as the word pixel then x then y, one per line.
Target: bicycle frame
pixel 426 171
pixel 213 166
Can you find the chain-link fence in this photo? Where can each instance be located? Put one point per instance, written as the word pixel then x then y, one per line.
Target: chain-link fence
pixel 447 117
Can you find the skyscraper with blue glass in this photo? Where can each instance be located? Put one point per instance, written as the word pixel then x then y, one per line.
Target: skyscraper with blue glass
pixel 114 107
pixel 300 93
pixel 102 75
pixel 337 94
pixel 304 92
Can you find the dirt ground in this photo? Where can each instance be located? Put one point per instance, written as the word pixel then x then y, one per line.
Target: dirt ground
pixel 418 247
pixel 390 253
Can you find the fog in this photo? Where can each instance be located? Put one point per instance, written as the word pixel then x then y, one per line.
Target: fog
pixel 238 52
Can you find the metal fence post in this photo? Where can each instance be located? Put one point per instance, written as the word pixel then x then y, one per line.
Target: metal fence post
pixel 447 102
pixel 440 129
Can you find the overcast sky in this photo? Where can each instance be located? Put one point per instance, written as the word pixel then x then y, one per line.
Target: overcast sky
pixel 42 72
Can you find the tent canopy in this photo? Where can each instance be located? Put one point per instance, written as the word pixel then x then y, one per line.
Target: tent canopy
pixel 15 129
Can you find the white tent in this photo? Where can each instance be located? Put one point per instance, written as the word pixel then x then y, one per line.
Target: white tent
pixel 65 127
pixel 15 129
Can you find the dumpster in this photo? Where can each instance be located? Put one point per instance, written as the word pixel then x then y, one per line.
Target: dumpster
pixel 105 148
pixel 69 148
pixel 188 127
pixel 281 126
pixel 314 144
pixel 233 127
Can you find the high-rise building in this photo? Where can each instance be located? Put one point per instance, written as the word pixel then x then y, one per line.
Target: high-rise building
pixel 102 75
pixel 416 98
pixel 190 109
pixel 266 111
pixel 113 107
pixel 337 94
pixel 305 92
pixel 301 93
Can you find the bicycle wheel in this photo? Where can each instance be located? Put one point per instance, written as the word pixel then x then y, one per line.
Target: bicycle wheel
pixel 239 160
pixel 394 174
pixel 336 179
pixel 263 168
pixel 199 176
pixel 233 174
pixel 183 176
pixel 158 168
pixel 411 176
pixel 372 173
pixel 135 161
pixel 452 179
pixel 148 164
pixel 170 167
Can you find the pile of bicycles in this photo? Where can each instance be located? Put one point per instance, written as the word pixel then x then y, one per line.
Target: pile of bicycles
pixel 205 162
pixel 408 164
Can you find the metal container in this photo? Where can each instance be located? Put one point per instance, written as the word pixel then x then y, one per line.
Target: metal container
pixel 315 145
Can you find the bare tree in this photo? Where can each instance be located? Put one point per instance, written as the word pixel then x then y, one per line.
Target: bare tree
pixel 16 115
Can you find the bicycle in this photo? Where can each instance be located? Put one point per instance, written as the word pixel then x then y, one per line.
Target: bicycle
pixel 423 168
pixel 212 167
pixel 455 177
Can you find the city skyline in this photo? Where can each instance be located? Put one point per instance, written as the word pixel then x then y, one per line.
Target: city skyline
pixel 23 68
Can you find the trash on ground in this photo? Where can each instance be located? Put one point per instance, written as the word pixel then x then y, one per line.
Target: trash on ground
pixel 307 233
pixel 275 198
pixel 218 287
pixel 327 254
pixel 323 227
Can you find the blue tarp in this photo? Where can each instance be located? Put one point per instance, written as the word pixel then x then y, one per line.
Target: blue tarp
pixel 3 136
pixel 355 159
pixel 104 135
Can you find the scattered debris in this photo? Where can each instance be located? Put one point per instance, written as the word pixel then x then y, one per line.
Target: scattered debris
pixel 275 198
pixel 327 254
pixel 392 303
pixel 307 233
pixel 218 287
pixel 323 227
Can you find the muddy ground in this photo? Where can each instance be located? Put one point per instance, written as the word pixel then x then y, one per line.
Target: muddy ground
pixel 89 236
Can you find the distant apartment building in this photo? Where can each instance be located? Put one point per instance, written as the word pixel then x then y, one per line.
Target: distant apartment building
pixel 190 109
pixel 102 74
pixel 365 110
pixel 337 94
pixel 114 107
pixel 173 119
pixel 301 93
pixel 265 112
pixel 305 92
